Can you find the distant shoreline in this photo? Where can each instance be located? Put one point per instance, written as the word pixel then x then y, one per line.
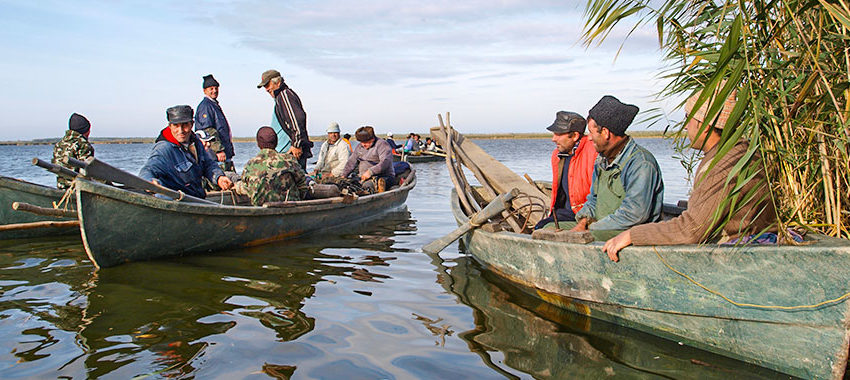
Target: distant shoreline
pixel 475 136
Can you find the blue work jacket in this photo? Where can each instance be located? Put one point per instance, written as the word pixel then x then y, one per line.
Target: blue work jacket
pixel 644 189
pixel 176 168
pixel 209 114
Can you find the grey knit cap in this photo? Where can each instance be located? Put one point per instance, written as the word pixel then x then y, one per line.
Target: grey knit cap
pixel 613 114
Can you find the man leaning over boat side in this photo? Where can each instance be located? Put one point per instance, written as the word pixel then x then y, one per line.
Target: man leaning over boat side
pixel 271 176
pixel 373 160
pixel 333 154
pixel 711 187
pixel 627 188
pixel 289 119
pixel 572 168
pixel 178 160
pixel 75 144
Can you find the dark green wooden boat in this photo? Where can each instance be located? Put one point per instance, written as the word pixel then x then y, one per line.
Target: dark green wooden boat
pixel 641 292
pixel 15 190
pixel 119 226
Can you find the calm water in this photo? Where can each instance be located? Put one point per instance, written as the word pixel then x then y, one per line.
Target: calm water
pixel 367 304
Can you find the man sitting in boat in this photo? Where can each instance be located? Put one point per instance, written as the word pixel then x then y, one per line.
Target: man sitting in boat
pixel 333 154
pixel 395 147
pixel 711 187
pixel 373 159
pixel 271 176
pixel 75 144
pixel 627 189
pixel 572 168
pixel 178 160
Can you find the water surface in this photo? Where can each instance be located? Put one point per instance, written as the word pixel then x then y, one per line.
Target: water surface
pixel 363 303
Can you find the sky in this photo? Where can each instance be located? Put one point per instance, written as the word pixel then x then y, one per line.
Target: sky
pixel 497 66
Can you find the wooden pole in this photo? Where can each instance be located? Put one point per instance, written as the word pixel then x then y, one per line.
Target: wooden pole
pixel 459 169
pixel 46 211
pixel 497 205
pixel 33 225
pixel 464 202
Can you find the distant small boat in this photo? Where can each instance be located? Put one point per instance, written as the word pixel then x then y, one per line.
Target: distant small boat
pixel 641 292
pixel 119 226
pixel 15 190
pixel 420 158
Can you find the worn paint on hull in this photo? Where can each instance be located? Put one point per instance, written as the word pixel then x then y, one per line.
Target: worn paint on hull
pixel 118 226
pixel 14 190
pixel 640 292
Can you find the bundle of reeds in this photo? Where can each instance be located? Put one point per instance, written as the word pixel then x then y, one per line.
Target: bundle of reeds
pixel 790 64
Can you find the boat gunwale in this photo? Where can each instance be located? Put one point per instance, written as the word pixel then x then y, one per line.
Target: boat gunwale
pixel 153 202
pixel 29 187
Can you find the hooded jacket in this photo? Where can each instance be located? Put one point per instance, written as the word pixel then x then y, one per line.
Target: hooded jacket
pixel 579 174
pixel 178 168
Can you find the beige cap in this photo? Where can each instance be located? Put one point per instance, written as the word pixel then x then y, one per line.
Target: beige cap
pixel 700 114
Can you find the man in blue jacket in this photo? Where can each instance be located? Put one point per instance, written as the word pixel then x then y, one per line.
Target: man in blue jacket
pixel 210 119
pixel 178 160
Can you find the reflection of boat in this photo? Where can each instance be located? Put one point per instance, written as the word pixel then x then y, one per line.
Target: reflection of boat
pixel 419 158
pixel 641 292
pixel 548 342
pixel 119 226
pixel 196 316
pixel 14 190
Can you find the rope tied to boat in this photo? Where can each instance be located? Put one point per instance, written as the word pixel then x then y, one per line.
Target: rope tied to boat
pixel 743 304
pixel 65 200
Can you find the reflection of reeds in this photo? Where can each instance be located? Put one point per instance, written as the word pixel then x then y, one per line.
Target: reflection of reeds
pixel 790 62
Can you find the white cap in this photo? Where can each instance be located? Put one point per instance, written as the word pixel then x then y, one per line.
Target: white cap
pixel 389 134
pixel 333 127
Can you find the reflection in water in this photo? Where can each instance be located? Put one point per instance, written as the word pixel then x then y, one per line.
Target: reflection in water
pixel 161 317
pixel 551 343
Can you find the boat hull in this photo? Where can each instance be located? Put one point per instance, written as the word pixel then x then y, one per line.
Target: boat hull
pixel 119 226
pixel 14 190
pixel 643 293
pixel 417 159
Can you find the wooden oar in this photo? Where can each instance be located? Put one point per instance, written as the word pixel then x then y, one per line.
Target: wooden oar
pixel 97 169
pixel 55 169
pixel 495 207
pixel 428 152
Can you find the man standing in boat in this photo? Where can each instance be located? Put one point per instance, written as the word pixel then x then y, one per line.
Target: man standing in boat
pixel 627 188
pixel 210 119
pixel 75 144
pixel 289 119
pixel 271 176
pixel 373 159
pixel 572 167
pixel 178 160
pixel 333 155
pixel 711 186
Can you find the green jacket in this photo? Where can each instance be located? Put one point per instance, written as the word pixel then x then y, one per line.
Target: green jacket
pixel 274 177
pixel 73 145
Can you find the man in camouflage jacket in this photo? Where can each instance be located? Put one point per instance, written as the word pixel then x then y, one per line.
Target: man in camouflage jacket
pixel 75 144
pixel 271 176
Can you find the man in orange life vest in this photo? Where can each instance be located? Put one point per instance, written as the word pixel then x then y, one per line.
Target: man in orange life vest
pixel 572 167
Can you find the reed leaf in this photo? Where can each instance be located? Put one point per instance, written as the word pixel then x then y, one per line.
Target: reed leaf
pixel 789 62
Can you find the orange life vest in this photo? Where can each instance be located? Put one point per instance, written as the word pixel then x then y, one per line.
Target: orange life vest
pixel 579 174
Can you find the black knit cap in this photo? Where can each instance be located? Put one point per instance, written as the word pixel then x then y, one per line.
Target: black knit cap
pixel 613 114
pixel 209 81
pixel 266 138
pixel 79 123
pixel 179 114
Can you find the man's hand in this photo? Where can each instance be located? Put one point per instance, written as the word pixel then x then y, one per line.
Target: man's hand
pixel 224 183
pixel 155 182
pixel 613 246
pixel 220 156
pixel 295 151
pixel 581 225
pixel 365 176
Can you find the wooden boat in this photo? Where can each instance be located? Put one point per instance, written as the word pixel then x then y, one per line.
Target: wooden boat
pixel 643 293
pixel 420 158
pixel 119 226
pixel 15 190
